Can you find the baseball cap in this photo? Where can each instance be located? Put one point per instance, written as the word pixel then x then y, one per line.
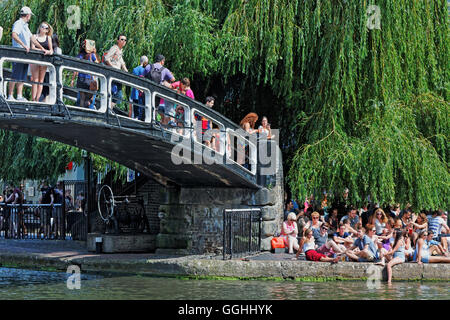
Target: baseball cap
pixel 26 10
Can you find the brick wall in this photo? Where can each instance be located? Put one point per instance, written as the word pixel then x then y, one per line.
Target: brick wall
pixel 151 191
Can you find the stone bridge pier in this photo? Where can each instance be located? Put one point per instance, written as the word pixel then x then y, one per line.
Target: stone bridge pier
pixel 191 219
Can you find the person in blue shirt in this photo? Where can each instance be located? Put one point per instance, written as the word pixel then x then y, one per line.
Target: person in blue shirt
pixel 137 96
pixel 343 237
pixel 367 250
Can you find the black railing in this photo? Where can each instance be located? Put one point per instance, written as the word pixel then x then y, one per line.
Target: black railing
pixel 31 221
pixel 241 232
pixel 76 206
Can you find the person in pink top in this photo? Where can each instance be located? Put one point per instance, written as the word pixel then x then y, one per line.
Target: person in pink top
pixel 184 87
pixel 289 232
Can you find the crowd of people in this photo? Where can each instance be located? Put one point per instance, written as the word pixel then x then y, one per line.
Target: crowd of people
pixel 12 219
pixel 386 236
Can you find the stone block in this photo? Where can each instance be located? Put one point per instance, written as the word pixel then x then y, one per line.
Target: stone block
pixel 270 213
pixel 172 241
pixel 266 244
pixel 435 271
pixel 122 243
pixel 264 197
pixel 173 226
pixel 269 228
pixel 215 197
pixel 173 211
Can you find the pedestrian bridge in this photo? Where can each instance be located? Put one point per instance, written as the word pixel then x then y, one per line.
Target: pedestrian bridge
pixel 168 147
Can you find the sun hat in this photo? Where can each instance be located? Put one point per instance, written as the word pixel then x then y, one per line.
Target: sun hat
pixel 26 10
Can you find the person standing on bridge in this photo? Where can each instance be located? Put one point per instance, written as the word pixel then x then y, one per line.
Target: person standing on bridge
pixel 21 38
pixel 160 75
pixel 114 58
pixel 136 95
pixel 44 37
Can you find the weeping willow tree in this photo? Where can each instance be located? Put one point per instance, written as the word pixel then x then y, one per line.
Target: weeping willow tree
pixel 359 89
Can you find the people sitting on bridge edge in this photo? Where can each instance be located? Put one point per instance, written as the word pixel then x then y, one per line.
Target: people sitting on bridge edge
pixel 86 81
pixel 44 37
pixel 137 96
pixel 307 245
pixel 289 232
pixel 21 38
pixel 114 58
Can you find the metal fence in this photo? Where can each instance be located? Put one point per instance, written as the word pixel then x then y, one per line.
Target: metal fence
pixel 31 221
pixel 241 232
pixel 65 220
pixel 76 206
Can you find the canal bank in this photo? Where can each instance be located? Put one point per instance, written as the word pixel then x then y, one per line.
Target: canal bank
pixel 59 255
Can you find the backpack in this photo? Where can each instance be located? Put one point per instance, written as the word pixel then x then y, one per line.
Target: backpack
pixel 156 74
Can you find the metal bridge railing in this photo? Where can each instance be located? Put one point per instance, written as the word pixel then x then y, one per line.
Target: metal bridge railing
pixel 241 232
pixel 61 67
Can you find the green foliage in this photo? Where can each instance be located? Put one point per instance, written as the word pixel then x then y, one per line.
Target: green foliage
pixel 358 108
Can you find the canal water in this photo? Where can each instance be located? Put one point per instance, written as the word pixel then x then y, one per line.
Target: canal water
pixel 27 284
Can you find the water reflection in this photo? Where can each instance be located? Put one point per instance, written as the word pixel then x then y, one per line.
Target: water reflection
pixel 25 284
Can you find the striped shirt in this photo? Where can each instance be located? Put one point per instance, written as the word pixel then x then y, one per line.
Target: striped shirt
pixel 435 225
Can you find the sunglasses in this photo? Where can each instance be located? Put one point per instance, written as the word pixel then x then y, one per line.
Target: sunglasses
pixel 44 27
pixel 325 229
pixel 123 39
pixel 315 217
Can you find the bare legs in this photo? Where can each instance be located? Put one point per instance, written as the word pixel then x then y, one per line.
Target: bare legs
pixel 292 244
pixel 389 266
